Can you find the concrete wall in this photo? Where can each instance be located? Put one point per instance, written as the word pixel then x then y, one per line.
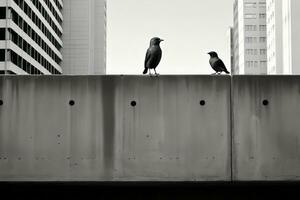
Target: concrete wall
pixel 266 138
pixel 167 136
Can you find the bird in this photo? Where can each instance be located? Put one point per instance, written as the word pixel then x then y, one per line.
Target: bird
pixel 216 63
pixel 153 56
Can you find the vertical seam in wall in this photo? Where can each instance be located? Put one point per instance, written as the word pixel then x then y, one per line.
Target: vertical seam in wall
pixel 231 129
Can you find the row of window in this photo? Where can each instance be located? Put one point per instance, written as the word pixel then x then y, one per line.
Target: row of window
pixel 35 37
pixel 26 66
pixel 254 27
pixel 254 16
pixel 255 64
pixel 26 47
pixel 255 39
pixel 19 61
pixel 254 4
pixel 53 10
pixel 45 14
pixel 255 51
pixel 21 23
pixel 22 63
pixel 29 12
pixel 7 72
pixel 58 4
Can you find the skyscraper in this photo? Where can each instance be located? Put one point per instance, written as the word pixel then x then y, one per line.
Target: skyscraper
pixel 274 36
pixel 250 42
pixel 84 37
pixel 291 36
pixel 231 47
pixel 30 36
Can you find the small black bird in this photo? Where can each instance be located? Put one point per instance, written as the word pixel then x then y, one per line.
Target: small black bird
pixel 153 56
pixel 217 64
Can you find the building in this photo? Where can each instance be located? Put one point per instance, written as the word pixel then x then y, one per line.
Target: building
pixel 84 37
pixel 250 42
pixel 291 36
pixel 30 37
pixel 231 44
pixel 274 36
pixel 283 36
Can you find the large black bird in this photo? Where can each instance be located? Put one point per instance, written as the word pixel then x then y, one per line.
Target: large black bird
pixel 217 64
pixel 153 56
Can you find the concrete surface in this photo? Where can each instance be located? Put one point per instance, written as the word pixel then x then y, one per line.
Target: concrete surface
pixel 266 138
pixel 167 136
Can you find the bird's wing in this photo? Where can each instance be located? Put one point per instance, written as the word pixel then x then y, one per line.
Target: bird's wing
pixel 148 55
pixel 221 64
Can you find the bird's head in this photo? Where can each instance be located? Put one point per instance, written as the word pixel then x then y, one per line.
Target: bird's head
pixel 213 54
pixel 155 41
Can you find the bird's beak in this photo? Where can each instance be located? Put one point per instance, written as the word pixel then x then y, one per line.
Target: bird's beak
pixel 161 40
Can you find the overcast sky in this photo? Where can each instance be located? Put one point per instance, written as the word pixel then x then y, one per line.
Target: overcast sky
pixel 190 28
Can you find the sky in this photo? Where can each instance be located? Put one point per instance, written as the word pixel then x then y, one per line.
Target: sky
pixel 190 28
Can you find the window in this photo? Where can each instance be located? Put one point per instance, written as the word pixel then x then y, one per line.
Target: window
pixel 2 55
pixel 263 63
pixel 263 51
pixel 2 13
pixel 262 16
pixel 250 27
pixel 251 51
pixel 262 4
pixel 262 39
pixel 250 5
pixel 251 63
pixel 262 27
pixel 2 33
pixel 250 39
pixel 250 16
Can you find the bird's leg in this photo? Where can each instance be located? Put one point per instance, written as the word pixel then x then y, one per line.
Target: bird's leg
pixel 214 73
pixel 150 72
pixel 156 72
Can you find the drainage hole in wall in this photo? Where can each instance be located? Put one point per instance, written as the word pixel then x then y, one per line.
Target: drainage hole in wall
pixel 1 102
pixel 202 103
pixel 71 102
pixel 133 103
pixel 265 102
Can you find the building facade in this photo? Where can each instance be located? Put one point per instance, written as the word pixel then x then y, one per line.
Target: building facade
pixel 291 36
pixel 250 37
pixel 275 36
pixel 231 46
pixel 84 37
pixel 31 37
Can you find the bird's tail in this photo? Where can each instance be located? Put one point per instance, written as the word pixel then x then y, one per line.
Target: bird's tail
pixel 227 72
pixel 145 71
